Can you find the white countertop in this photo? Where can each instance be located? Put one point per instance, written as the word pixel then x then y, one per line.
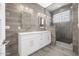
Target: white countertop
pixel 30 32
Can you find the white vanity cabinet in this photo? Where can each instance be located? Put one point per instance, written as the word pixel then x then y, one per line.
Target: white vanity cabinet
pixel 29 42
pixel 46 39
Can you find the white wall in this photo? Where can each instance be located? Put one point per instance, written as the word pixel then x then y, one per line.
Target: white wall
pixel 2 29
pixel 2 22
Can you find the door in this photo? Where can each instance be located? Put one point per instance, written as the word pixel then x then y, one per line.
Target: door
pixel 63 25
pixel 2 29
pixel 46 39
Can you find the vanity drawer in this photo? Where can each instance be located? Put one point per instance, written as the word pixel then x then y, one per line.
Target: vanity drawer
pixel 28 36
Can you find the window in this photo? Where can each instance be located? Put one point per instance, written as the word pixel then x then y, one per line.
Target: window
pixel 62 17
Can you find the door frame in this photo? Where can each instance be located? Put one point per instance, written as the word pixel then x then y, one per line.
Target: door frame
pixel 74 17
pixel 2 29
pixel 75 28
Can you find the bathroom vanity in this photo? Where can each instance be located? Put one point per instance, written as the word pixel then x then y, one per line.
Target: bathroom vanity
pixel 30 42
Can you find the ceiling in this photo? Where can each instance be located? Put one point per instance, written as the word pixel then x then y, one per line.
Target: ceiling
pixel 44 4
pixel 52 6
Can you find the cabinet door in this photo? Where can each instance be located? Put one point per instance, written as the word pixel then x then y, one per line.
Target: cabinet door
pixel 26 46
pixel 37 42
pixel 29 45
pixel 46 39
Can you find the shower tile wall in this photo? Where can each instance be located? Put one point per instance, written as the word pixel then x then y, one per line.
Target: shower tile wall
pixel 75 28
pixel 64 29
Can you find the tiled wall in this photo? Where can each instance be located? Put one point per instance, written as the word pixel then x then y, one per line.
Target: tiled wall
pixel 75 28
pixel 78 29
pixel 16 22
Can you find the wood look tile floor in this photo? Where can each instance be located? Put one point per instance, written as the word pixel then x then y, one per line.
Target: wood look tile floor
pixel 58 50
pixel 61 49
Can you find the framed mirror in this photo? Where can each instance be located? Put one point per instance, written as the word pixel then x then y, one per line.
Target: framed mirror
pixel 42 22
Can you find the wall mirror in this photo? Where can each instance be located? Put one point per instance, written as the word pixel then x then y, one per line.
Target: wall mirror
pixel 42 22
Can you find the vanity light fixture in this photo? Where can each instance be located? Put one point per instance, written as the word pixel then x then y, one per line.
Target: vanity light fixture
pixel 7 27
pixel 29 10
pixel 38 14
pixel 41 14
pixel 20 8
pixel 26 8
pixel 19 27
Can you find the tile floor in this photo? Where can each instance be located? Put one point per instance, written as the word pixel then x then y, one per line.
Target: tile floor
pixel 61 49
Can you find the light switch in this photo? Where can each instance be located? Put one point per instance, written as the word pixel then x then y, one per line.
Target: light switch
pixel 19 27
